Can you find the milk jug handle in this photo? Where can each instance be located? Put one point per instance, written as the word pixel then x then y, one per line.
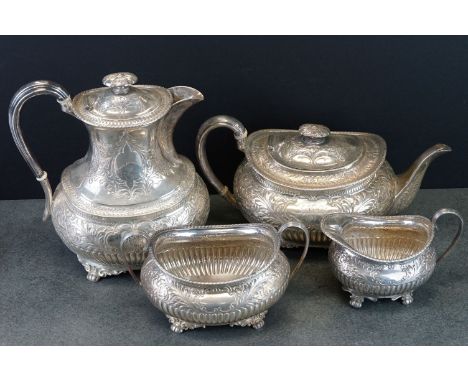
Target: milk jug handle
pixel 449 211
pixel 28 91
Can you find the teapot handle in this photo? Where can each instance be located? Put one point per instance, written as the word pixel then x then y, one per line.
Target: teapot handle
pixel 302 227
pixel 26 92
pixel 449 211
pixel 240 133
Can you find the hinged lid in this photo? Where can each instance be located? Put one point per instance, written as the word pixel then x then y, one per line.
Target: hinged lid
pixel 122 103
pixel 315 159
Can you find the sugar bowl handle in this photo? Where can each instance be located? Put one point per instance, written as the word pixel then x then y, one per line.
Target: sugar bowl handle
pixel 132 243
pixel 303 228
pixel 240 133
pixel 449 211
pixel 26 92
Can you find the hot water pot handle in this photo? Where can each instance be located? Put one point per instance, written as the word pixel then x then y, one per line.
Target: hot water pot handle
pixel 445 211
pixel 303 228
pixel 240 133
pixel 26 92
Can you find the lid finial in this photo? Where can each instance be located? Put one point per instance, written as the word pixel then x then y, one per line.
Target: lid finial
pixel 314 134
pixel 120 82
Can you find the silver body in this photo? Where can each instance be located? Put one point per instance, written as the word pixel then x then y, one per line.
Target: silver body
pixel 216 275
pixel 383 257
pixel 131 176
pixel 289 175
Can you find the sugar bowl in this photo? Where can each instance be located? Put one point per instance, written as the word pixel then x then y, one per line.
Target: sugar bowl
pixel 215 275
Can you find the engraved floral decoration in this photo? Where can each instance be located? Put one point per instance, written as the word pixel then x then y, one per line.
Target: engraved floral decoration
pixel 242 303
pixel 260 203
pixel 263 157
pixel 97 241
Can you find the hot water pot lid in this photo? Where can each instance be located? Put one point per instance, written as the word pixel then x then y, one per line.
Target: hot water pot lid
pixel 122 103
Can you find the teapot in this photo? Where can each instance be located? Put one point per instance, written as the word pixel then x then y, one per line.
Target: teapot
pixel 305 174
pixel 131 176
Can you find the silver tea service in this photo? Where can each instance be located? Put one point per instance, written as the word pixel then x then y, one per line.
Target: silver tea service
pixel 132 202
pixel 131 176
pixel 215 275
pixel 308 173
pixel 383 257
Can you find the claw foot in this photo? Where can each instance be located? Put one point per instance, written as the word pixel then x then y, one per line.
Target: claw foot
pixel 407 298
pixel 356 301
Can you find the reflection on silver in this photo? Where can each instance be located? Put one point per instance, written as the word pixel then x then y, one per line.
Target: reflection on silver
pixel 383 257
pixel 215 275
pixel 131 176
pixel 306 174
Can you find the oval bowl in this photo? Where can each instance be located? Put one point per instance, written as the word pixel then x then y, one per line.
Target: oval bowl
pixel 216 275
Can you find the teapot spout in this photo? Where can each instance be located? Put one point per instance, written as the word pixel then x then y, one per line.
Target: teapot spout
pixel 183 98
pixel 408 183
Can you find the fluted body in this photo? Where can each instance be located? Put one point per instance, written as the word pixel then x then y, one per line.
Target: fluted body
pixel 383 257
pixel 223 275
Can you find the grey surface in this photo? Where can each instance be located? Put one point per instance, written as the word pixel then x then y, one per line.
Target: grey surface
pixel 45 298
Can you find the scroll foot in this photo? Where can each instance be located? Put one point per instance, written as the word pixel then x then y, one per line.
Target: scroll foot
pixel 93 276
pixel 256 322
pixel 180 326
pixel 356 301
pixel 95 273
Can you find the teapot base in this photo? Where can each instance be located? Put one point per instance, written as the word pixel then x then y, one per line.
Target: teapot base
pixel 356 300
pixel 293 238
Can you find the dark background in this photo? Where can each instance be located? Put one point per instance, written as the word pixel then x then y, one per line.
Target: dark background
pixel 413 91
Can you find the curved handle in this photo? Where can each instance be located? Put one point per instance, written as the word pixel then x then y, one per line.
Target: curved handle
pixel 132 242
pixel 28 91
pixel 306 243
pixel 449 211
pixel 240 133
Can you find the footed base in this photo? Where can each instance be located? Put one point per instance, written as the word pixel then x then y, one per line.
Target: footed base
pixel 96 272
pixel 179 326
pixel 356 300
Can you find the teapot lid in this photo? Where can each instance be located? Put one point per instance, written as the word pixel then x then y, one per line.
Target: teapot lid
pixel 315 159
pixel 122 103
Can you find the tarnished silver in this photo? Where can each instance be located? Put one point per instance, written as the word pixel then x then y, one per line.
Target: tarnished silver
pixel 383 257
pixel 306 174
pixel 131 176
pixel 215 275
